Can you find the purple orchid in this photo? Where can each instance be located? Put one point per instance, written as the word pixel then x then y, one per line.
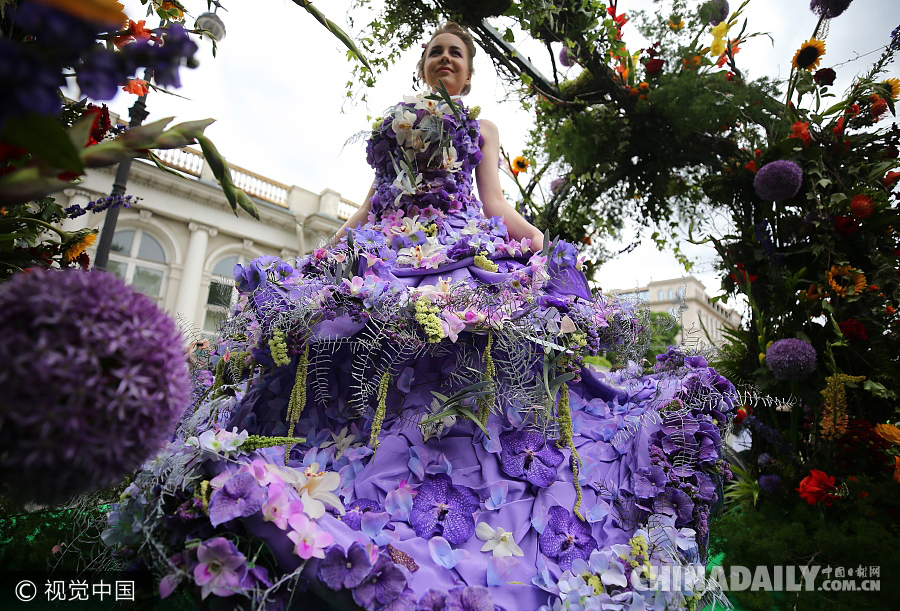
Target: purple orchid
pixel 221 569
pixel 356 509
pixel 432 600
pixel 649 482
pixel 471 598
pixel 339 570
pixel 405 602
pixel 241 496
pixel 382 585
pixel 528 455
pixel 566 538
pixel 441 508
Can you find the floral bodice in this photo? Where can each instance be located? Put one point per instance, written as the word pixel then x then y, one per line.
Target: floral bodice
pixel 424 212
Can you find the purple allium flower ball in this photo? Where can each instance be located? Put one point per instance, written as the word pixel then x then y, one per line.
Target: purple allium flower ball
pixel 778 180
pixel 829 9
pixel 715 11
pixel 94 377
pixel 557 185
pixel 769 483
pixel 566 58
pixel 791 359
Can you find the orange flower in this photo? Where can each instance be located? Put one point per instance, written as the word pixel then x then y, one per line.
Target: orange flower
pixel 812 293
pixel 724 57
pixel 644 86
pixel 890 179
pixel 879 107
pixel 170 6
pixel 136 86
pixel 897 469
pixel 801 132
pixel 132 32
pixel 889 309
pixel 852 111
pixel 693 62
pixel 839 128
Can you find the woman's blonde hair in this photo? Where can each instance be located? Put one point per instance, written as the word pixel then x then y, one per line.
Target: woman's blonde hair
pixel 450 27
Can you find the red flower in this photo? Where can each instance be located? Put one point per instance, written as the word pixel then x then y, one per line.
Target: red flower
pixel 745 278
pixel 654 66
pixel 750 166
pixel 741 413
pixel 853 330
pixel 801 131
pixel 890 179
pixel 861 207
pixel 852 111
pixel 879 107
pixel 845 225
pixel 817 487
pixel 136 86
pixel 839 128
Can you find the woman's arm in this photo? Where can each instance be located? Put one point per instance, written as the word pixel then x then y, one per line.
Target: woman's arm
pixel 491 194
pixel 360 216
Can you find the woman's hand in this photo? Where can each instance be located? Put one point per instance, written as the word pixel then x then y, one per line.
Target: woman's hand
pixel 487 176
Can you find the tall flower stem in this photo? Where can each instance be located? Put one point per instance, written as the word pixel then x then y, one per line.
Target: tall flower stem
pixel 298 396
pixel 380 411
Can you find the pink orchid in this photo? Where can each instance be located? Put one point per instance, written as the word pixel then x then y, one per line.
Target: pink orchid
pixel 309 540
pixel 472 317
pixel 320 253
pixel 354 285
pixel 281 506
pixel 452 326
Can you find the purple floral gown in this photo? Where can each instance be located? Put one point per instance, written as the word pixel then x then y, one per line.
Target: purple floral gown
pixel 507 475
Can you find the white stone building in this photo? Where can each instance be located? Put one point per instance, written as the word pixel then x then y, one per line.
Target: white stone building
pixel 180 242
pixel 701 319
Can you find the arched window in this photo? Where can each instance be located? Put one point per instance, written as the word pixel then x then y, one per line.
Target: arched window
pixel 222 293
pixel 139 259
pixel 659 295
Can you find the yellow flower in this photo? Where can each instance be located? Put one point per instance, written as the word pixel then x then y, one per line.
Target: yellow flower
pixel 889 432
pixel 837 273
pixel 520 164
pixel 676 25
pixel 75 250
pixel 809 55
pixel 102 11
pixel 894 85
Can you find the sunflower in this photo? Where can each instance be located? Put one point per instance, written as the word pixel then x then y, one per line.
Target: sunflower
pixel 839 273
pixel 78 247
pixel 893 86
pixel 520 164
pixel 809 55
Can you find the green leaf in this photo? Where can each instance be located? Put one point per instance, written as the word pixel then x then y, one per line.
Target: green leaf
pixel 46 139
pixel 527 80
pixel 508 36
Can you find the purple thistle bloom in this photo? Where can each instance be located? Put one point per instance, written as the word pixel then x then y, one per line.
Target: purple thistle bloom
pixel 432 600
pixel 778 180
pixel 715 11
pixel 222 568
pixel 528 455
pixel 566 58
pixel 382 585
pixel 829 9
pixel 355 511
pixel 791 359
pixel 240 497
pixel 441 508
pixel 471 598
pixel 769 483
pixel 94 378
pixel 339 570
pixel 566 538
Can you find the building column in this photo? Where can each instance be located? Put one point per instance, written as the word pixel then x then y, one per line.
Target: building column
pixel 192 274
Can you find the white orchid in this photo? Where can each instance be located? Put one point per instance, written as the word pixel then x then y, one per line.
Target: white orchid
pixel 451 160
pixel 315 489
pixel 438 291
pixel 426 255
pixel 402 124
pixel 499 541
pixel 221 442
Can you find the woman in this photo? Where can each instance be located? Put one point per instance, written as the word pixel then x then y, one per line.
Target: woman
pixel 451 451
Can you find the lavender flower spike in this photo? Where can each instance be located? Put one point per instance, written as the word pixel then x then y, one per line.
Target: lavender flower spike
pixel 528 455
pixel 441 508
pixel 566 538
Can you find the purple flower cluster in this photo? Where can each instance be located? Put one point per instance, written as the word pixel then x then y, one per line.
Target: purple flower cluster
pixel 791 359
pixel 100 205
pixel 31 73
pixel 528 455
pixel 778 180
pixel 715 11
pixel 375 582
pixel 94 378
pixel 895 39
pixel 829 9
pixel 566 58
pixel 445 509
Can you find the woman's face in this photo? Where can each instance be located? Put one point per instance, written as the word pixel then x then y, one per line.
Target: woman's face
pixel 446 59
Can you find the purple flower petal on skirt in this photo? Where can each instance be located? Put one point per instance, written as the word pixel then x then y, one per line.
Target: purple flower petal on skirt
pixel 383 584
pixel 241 496
pixel 472 598
pixel 528 455
pixel 432 600
pixel 442 508
pixel 355 510
pixel 566 538
pixel 339 570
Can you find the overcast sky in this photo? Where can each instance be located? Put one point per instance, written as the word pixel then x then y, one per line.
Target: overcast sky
pixel 277 87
